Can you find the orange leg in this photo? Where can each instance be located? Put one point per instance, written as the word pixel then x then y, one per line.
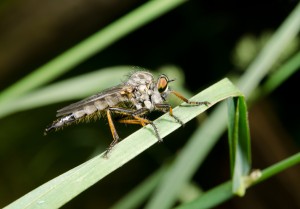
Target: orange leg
pixel 142 122
pixel 187 101
pixel 113 132
pixel 135 120
pixel 129 121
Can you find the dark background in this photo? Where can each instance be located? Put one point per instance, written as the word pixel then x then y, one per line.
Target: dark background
pixel 198 36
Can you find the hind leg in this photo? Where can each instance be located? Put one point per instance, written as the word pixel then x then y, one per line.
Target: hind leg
pixel 114 133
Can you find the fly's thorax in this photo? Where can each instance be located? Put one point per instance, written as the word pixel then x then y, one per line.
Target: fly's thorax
pixel 142 93
pixel 148 105
pixel 141 97
pixel 147 95
pixel 156 98
pixel 140 78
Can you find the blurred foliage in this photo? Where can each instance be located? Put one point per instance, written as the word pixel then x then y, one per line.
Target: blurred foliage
pixel 249 45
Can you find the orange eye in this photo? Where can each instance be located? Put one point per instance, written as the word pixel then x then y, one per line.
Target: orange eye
pixel 162 83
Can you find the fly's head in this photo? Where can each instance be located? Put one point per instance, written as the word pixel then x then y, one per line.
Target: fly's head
pixel 162 86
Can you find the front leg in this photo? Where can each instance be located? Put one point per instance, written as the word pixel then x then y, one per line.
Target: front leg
pixel 167 107
pixel 188 101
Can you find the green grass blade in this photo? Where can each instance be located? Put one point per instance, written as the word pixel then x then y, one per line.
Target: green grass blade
pixel 232 134
pixel 279 167
pixel 87 48
pixel 239 144
pixel 62 189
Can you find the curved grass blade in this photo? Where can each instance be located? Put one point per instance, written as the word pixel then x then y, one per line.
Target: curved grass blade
pixel 239 144
pixel 63 188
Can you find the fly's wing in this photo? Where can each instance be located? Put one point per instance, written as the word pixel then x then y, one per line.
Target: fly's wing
pixel 90 100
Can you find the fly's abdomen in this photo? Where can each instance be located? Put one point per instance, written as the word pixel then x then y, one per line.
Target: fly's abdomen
pixel 99 105
pixel 59 123
pixel 88 111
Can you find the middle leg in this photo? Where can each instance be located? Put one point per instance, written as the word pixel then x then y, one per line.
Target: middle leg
pixel 135 118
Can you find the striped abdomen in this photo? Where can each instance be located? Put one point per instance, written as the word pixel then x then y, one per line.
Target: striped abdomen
pixel 87 108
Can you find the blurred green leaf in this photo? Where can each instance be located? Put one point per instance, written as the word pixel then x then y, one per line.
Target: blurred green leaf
pixel 90 46
pixel 73 88
pixel 134 198
pixel 283 73
pixel 211 198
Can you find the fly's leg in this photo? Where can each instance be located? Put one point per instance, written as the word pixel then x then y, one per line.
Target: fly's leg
pixel 167 107
pixel 135 114
pixel 164 107
pixel 188 101
pixel 139 121
pixel 114 133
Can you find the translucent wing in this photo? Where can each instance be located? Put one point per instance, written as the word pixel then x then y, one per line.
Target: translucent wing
pixel 90 100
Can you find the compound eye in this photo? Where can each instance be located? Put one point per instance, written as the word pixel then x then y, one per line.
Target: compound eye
pixel 162 83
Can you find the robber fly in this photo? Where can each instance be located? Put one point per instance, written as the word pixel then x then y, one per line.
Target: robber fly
pixel 131 101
